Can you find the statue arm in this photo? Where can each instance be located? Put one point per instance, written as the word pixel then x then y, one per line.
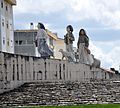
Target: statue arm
pixel 78 42
pixel 72 38
pixel 45 35
pixel 86 41
pixel 65 38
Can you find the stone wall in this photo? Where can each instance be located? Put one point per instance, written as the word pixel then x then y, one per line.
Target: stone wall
pixel 63 93
pixel 18 69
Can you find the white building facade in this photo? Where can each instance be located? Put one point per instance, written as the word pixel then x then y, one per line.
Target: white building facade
pixel 7 26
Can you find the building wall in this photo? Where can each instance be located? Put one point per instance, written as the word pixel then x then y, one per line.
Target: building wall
pixel 7 38
pixel 24 43
pixel 3 31
pixel 11 30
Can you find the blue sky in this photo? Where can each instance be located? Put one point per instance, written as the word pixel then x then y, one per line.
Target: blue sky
pixel 100 19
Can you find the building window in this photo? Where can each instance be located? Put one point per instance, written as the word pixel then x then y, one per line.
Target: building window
pixel 1 4
pixel 16 42
pixel 7 25
pixel 51 41
pixel 20 42
pixel 10 26
pixel 8 43
pixel 3 41
pixel 6 8
pixel 3 22
pixel 11 43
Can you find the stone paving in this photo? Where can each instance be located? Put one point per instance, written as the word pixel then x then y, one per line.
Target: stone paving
pixel 63 93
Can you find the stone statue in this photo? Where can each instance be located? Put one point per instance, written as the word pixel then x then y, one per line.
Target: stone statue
pixel 67 55
pixel 41 38
pixel 84 53
pixel 96 62
pixel 83 43
pixel 68 39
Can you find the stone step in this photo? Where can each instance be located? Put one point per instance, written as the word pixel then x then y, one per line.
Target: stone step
pixel 62 93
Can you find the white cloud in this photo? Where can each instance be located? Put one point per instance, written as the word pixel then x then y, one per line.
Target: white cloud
pixel 114 55
pixel 110 58
pixel 103 11
pixel 39 6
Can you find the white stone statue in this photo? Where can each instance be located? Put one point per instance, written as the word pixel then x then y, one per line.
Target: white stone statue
pixel 69 38
pixel 96 62
pixel 41 39
pixel 67 55
pixel 83 44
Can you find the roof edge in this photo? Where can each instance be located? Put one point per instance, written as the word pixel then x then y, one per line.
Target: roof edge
pixel 12 2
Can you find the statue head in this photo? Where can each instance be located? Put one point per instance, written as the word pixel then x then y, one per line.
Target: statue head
pixel 69 28
pixel 41 26
pixel 82 32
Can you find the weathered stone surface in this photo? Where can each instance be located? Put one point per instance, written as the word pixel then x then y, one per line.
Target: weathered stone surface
pixel 63 93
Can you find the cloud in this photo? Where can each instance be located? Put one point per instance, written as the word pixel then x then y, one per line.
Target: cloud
pixel 103 11
pixel 39 6
pixel 110 58
pixel 114 57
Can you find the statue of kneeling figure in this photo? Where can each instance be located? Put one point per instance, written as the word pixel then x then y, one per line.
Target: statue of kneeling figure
pixel 96 62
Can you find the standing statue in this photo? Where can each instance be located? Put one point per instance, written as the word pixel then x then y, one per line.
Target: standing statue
pixel 83 44
pixel 68 39
pixel 41 39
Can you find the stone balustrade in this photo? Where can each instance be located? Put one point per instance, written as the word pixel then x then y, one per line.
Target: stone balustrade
pixel 16 70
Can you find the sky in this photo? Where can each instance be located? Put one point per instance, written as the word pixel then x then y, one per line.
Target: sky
pixel 100 19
